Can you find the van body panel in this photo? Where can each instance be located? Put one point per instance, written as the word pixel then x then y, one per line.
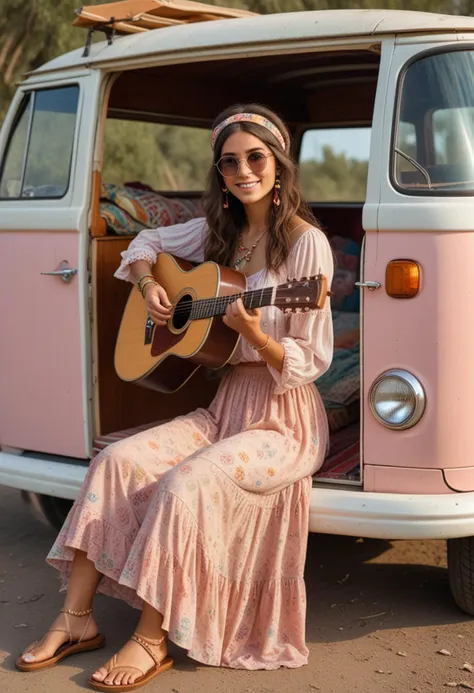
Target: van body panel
pixel 432 337
pixel 45 352
pixel 461 479
pixel 411 480
pixel 40 349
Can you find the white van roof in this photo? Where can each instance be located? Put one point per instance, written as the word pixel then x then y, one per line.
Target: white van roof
pixel 262 29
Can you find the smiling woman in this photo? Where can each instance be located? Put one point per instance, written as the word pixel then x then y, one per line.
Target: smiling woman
pixel 201 522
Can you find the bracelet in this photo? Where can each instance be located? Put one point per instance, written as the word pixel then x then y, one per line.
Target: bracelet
pixel 139 280
pixel 148 281
pixel 260 348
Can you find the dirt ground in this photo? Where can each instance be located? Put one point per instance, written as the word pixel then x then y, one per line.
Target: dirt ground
pixel 378 614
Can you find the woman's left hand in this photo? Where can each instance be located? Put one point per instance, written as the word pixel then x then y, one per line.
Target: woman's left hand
pixel 245 322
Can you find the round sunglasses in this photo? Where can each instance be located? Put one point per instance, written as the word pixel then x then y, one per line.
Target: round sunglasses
pixel 229 165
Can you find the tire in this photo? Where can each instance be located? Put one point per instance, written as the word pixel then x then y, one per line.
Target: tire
pixel 461 572
pixel 54 509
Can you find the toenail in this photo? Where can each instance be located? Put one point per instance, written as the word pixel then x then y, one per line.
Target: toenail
pixel 28 658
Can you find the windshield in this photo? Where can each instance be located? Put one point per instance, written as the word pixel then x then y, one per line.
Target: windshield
pixel 434 141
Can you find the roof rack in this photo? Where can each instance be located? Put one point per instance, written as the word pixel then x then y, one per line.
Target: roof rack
pixel 136 16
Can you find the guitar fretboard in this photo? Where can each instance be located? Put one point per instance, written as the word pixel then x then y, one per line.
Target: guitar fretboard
pixel 210 307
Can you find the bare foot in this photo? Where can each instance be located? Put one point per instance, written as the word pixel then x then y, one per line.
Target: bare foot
pixel 132 662
pixel 58 635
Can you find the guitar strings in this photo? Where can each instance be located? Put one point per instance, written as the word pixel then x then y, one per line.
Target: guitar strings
pixel 221 301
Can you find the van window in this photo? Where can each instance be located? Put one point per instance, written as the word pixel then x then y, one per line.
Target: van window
pixel 163 157
pixel 437 103
pixel 38 158
pixel 13 163
pixel 334 163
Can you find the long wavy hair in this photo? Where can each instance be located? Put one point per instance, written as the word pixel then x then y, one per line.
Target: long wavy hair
pixel 225 225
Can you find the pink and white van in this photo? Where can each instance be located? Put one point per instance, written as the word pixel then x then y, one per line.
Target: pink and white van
pixel 113 138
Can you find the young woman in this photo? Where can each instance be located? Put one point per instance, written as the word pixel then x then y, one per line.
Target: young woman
pixel 202 523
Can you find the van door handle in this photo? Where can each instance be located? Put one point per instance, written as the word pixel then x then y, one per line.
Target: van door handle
pixel 66 273
pixel 371 286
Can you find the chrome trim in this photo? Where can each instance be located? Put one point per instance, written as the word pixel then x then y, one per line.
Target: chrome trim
pixel 415 386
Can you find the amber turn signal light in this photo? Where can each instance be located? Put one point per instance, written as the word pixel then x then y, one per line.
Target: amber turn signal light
pixel 402 278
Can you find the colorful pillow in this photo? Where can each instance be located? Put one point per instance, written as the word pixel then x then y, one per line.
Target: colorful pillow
pixel 130 209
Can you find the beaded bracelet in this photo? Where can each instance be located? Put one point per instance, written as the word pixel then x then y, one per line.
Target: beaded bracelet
pixel 261 348
pixel 149 281
pixel 140 279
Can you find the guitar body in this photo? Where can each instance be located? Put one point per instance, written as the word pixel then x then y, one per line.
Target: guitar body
pixel 165 357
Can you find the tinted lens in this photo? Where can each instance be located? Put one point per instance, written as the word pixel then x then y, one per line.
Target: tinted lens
pixel 256 162
pixel 228 166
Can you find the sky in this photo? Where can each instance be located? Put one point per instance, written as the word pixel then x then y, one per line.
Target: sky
pixel 354 142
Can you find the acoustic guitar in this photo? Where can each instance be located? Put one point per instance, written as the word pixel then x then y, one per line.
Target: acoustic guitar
pixel 165 357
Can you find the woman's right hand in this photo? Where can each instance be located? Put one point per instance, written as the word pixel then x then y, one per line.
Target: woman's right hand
pixel 157 303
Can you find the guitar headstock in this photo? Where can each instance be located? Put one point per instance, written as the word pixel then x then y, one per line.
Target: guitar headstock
pixel 302 295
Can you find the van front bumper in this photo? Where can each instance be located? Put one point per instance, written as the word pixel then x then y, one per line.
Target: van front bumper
pixel 347 511
pixel 357 513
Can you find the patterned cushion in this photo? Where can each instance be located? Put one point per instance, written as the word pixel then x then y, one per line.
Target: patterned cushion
pixel 130 209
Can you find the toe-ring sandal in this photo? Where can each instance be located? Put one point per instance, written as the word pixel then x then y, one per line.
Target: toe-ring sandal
pixel 68 648
pixel 159 668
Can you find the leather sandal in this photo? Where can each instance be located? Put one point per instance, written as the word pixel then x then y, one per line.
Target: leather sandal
pixel 160 667
pixel 67 648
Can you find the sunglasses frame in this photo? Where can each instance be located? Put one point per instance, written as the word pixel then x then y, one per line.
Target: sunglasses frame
pixel 231 156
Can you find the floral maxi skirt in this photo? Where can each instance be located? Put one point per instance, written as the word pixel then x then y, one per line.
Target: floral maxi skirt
pixel 205 518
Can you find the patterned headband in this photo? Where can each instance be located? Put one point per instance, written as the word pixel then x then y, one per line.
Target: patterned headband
pixel 248 118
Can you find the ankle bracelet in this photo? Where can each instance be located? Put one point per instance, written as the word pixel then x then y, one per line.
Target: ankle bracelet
pixel 86 612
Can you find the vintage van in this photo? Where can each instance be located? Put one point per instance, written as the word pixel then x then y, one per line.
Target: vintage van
pixel 388 95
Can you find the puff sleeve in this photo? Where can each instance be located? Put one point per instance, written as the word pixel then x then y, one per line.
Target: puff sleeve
pixel 184 240
pixel 308 342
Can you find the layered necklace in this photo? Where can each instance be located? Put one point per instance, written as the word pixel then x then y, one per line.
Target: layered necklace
pixel 246 253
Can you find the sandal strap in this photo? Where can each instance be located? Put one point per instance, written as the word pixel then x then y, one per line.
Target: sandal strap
pixel 68 626
pixel 114 664
pixel 85 629
pixel 147 644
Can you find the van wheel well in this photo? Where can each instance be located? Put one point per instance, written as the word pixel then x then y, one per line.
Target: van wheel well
pixel 461 572
pixel 55 509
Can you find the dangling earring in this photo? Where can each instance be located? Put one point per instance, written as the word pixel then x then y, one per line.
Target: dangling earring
pixel 226 198
pixel 276 194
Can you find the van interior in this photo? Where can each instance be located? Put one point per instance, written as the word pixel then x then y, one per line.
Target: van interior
pixel 326 91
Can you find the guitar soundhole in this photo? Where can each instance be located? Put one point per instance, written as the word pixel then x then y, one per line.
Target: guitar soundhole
pixel 182 311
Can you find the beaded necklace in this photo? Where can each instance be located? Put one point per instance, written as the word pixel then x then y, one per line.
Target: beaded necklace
pixel 248 252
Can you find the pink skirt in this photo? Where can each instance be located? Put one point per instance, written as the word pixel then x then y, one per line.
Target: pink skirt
pixel 205 518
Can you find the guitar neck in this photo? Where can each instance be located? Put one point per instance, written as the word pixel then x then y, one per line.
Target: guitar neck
pixel 211 307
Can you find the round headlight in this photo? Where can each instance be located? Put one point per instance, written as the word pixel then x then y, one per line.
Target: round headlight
pixel 397 399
